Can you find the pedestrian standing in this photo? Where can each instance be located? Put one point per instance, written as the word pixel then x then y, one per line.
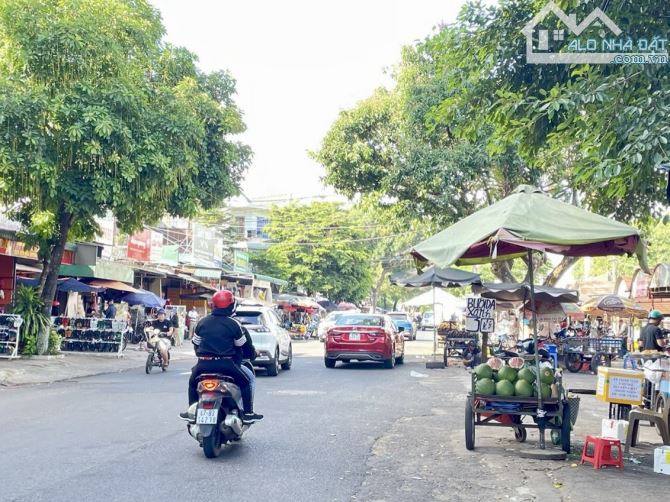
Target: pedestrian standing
pixel 192 321
pixel 110 312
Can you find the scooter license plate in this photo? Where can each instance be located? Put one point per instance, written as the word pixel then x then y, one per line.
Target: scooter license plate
pixel 206 417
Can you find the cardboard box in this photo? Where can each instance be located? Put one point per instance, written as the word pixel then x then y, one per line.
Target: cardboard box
pixel 616 429
pixel 662 460
pixel 620 386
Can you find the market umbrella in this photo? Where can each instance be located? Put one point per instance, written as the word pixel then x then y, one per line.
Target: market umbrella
pixel 327 305
pixel 436 277
pixel 65 285
pixel 527 221
pixel 346 306
pixel 614 304
pixel 143 297
pixel 516 292
pixel 75 286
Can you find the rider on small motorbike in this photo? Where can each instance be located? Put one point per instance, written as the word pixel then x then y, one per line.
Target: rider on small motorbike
pixel 217 340
pixel 165 330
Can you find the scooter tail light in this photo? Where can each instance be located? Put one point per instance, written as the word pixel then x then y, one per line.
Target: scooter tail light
pixel 210 384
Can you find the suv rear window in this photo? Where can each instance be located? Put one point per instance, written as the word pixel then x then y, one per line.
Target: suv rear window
pixel 249 318
pixel 359 320
pixel 398 317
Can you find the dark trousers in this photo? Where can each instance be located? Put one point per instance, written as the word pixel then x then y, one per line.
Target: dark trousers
pixel 226 367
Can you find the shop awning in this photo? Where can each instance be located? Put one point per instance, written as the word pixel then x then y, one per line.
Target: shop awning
pixel 101 270
pixel 273 280
pixel 118 286
pixel 27 269
pixel 207 273
pixel 195 281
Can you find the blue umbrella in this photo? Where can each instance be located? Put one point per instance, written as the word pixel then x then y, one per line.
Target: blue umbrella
pixel 64 285
pixel 73 285
pixel 143 297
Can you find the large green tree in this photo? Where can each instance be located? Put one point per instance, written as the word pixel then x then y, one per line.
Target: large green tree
pixel 603 125
pixel 97 113
pixel 321 248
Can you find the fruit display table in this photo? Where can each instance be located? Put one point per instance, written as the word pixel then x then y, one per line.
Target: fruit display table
pixel 518 412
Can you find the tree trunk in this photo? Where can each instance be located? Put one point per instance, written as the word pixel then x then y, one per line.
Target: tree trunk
pixel 50 274
pixel 503 270
pixel 560 269
pixel 43 276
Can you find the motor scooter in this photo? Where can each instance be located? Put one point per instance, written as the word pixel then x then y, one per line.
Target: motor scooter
pixel 157 340
pixel 216 419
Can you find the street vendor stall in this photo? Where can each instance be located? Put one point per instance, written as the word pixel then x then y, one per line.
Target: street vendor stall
pixel 525 222
pixel 434 277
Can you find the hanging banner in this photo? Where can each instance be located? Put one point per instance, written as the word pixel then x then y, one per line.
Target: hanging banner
pixel 170 255
pixel 155 246
pixel 139 246
pixel 207 247
pixel 480 314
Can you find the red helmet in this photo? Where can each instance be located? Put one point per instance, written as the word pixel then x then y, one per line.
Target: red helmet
pixel 223 299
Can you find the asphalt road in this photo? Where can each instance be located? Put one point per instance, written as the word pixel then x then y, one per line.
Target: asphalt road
pixel 357 432
pixel 117 436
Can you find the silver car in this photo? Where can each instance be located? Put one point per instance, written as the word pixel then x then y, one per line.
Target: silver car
pixel 272 342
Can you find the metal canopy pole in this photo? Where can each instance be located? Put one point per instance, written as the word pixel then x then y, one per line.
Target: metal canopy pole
pixel 434 324
pixel 540 409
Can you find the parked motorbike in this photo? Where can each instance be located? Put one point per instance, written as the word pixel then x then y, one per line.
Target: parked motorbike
pixel 156 340
pixel 215 419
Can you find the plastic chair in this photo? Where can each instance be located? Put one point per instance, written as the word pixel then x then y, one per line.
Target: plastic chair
pixel 602 452
pixel 553 352
pixel 660 419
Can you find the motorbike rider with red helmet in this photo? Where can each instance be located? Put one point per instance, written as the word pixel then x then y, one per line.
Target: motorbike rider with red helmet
pixel 217 339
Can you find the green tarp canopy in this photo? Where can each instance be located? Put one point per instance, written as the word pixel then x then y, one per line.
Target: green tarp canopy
pixel 529 219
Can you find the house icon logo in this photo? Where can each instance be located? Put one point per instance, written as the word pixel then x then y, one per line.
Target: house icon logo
pixel 602 50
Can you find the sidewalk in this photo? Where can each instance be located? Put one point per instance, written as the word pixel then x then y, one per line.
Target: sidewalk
pixel 68 365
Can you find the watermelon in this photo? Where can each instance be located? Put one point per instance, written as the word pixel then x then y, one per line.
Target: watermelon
pixel 507 373
pixel 495 363
pixel 505 388
pixel 523 388
pixel 546 391
pixel 516 362
pixel 526 374
pixel 485 386
pixel 483 371
pixel 547 375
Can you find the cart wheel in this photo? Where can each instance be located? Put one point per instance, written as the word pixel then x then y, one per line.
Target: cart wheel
pixel 573 362
pixel 555 437
pixel 520 434
pixel 446 356
pixel 598 359
pixel 469 426
pixel 565 428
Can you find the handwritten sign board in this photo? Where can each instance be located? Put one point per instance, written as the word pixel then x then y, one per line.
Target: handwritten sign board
pixel 619 386
pixel 480 314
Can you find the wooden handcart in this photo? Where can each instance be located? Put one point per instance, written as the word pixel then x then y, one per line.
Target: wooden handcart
pixel 517 413
pixel 577 352
pixel 454 342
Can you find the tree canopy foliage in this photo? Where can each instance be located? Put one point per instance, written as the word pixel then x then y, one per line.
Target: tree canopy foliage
pixel 97 113
pixel 320 248
pixel 468 119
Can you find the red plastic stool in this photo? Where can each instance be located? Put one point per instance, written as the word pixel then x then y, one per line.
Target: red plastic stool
pixel 602 452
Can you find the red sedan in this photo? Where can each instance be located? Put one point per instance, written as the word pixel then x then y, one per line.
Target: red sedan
pixel 364 337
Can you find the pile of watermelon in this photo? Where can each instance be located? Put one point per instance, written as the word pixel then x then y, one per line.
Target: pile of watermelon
pixel 512 379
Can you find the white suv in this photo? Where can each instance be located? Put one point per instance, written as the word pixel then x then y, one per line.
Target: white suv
pixel 272 342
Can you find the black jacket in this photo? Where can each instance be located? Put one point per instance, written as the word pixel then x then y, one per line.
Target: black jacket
pixel 217 335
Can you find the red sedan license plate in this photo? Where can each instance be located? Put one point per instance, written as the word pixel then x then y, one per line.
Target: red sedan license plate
pixel 355 337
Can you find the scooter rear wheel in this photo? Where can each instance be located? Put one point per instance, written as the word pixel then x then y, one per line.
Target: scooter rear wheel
pixel 211 445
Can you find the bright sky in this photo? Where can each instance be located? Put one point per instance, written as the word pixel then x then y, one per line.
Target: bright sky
pixel 298 63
